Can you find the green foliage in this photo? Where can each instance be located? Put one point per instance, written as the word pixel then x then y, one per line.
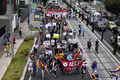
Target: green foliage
pixel 113 6
pixel 35 29
pixel 16 67
pixel 28 38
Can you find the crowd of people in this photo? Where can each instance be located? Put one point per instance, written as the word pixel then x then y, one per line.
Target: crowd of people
pixel 58 42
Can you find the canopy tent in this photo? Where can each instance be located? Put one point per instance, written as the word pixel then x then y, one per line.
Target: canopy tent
pixel 72 40
pixel 56 13
pixel 50 24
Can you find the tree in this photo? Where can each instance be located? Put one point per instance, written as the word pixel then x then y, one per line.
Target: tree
pixel 113 6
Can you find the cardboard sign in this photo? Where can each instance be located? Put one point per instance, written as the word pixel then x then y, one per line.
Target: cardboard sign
pixel 48 36
pixel 55 36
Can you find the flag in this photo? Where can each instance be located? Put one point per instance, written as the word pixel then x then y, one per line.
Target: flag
pixel 76 55
pixel 116 70
pixel 93 76
pixel 46 68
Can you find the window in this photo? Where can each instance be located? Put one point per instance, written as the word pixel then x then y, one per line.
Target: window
pixel 2 31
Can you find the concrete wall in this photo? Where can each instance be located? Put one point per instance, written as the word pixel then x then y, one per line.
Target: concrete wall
pixel 4 22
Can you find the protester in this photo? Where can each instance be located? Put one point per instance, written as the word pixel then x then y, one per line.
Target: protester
pixel 94 66
pixel 83 71
pixel 54 65
pixel 30 66
pixel 95 75
pixel 7 47
pixel 81 54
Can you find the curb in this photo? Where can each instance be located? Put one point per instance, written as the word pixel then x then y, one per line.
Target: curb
pixel 25 69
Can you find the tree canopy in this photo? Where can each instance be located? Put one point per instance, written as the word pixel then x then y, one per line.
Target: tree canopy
pixel 113 6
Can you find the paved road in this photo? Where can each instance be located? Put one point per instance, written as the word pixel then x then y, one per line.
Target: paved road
pixel 107 42
pixel 105 60
pixel 62 76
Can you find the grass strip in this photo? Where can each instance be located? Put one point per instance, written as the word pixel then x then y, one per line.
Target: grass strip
pixel 35 29
pixel 18 62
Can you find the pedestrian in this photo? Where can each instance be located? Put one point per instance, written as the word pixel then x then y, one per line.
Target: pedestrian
pixel 96 45
pixel 89 44
pixel 83 71
pixel 95 75
pixel 94 66
pixel 34 67
pixel 42 69
pixel 38 67
pixel 79 29
pixel 49 64
pixel 54 65
pixel 7 49
pixel 74 32
pixel 30 66
pixel 81 54
pixel 20 32
pixel 83 31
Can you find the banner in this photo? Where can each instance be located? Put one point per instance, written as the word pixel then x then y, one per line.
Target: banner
pixel 68 65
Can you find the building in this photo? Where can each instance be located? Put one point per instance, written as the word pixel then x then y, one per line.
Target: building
pixel 3 7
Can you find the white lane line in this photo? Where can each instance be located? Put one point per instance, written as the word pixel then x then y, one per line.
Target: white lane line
pixel 102 44
pixel 103 40
pixel 79 46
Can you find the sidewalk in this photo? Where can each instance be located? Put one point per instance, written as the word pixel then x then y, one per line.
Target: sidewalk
pixel 4 60
pixel 105 60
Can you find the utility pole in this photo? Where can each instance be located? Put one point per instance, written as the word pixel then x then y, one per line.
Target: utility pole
pixel 115 40
pixel 93 26
pixel 18 14
pixel 10 18
pixel 102 35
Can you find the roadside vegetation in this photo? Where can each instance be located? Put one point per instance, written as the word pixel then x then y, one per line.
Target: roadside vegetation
pixel 18 62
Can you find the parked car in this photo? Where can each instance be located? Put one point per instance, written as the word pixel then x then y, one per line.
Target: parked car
pixel 100 26
pixel 118 40
pixel 110 25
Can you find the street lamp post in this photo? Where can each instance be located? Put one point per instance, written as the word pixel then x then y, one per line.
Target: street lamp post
pixel 115 41
pixel 11 34
pixel 87 19
pixel 93 26
pixel 102 35
pixel 18 13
